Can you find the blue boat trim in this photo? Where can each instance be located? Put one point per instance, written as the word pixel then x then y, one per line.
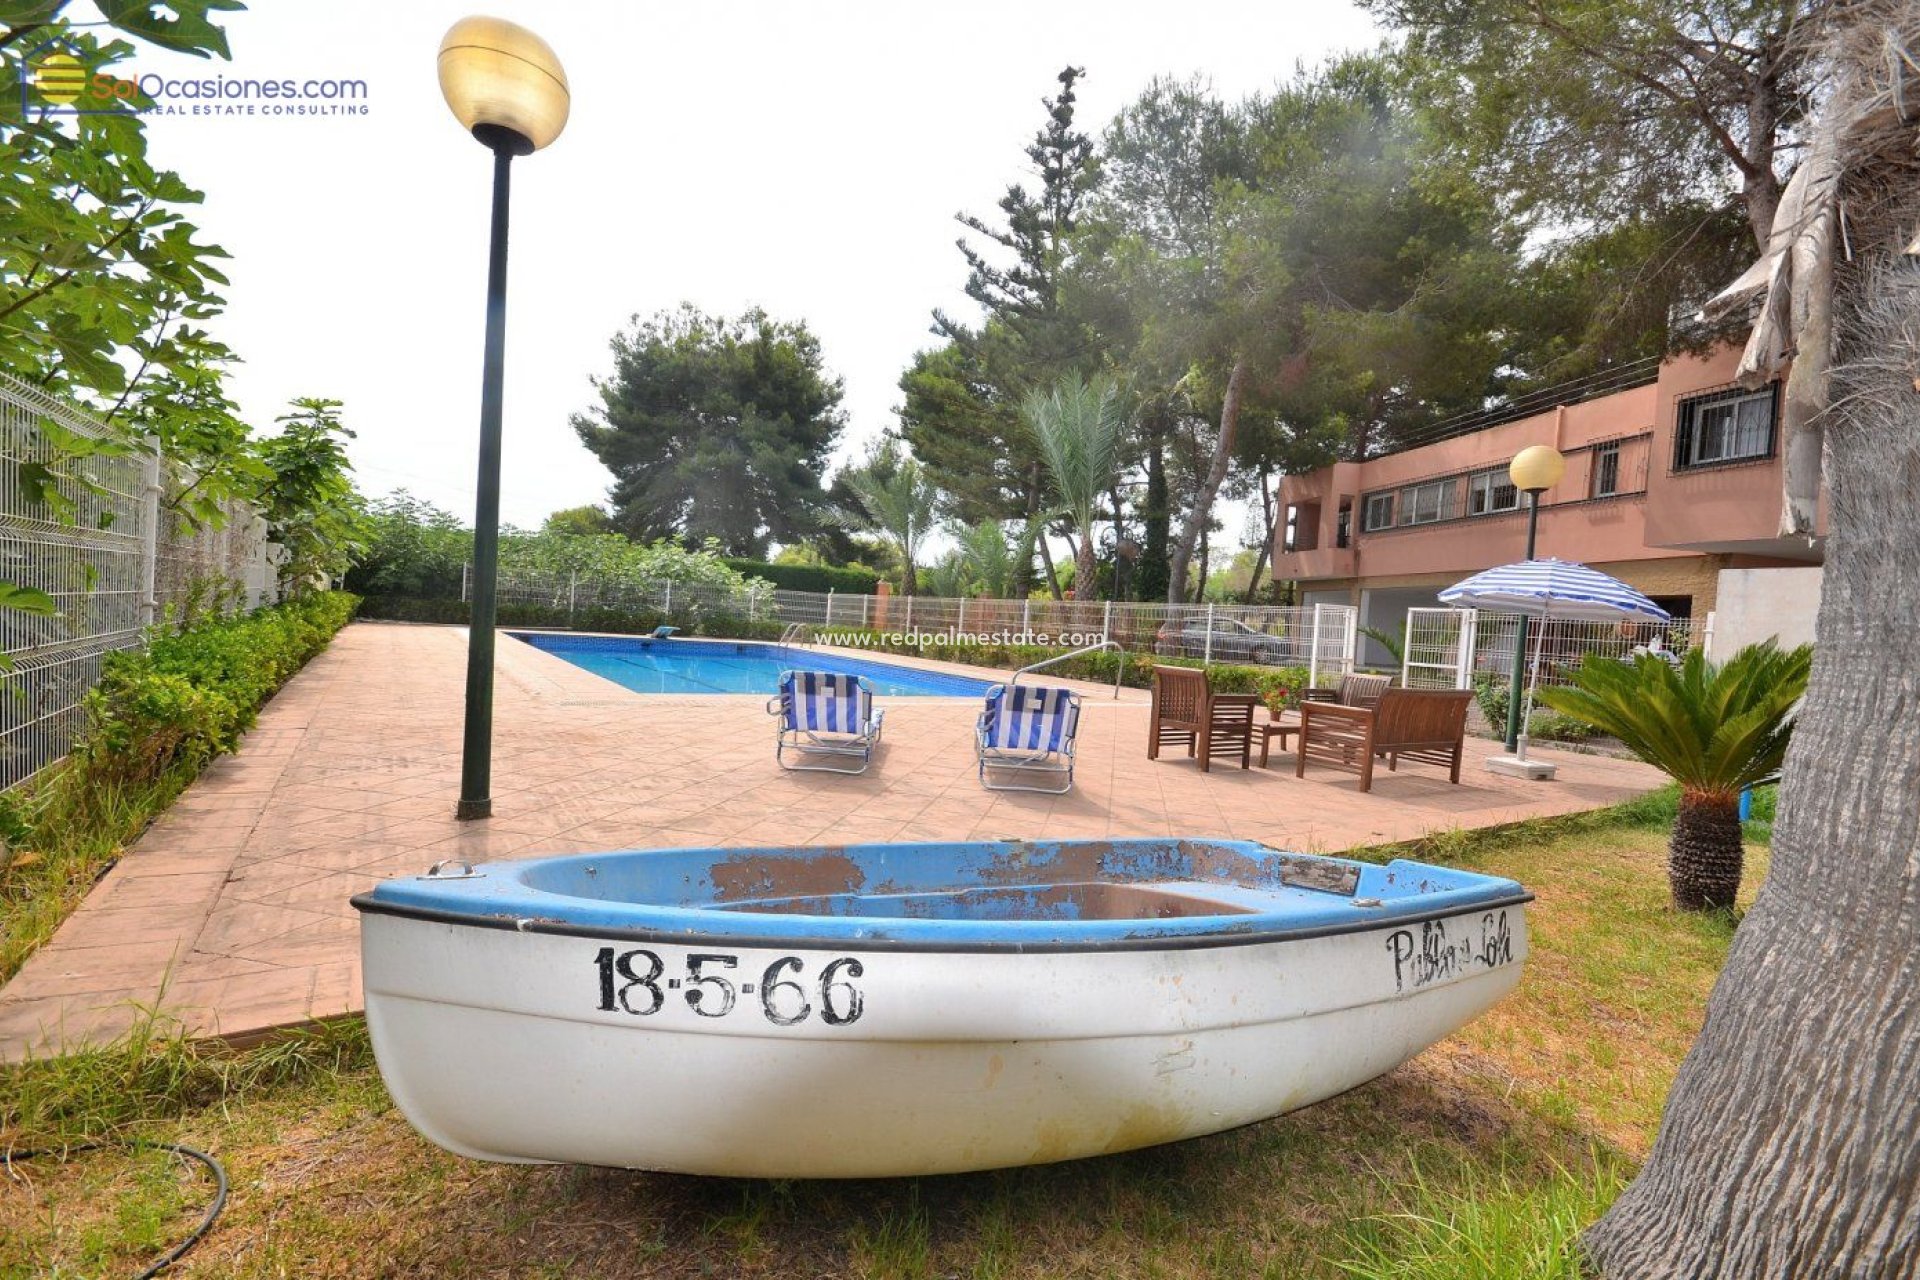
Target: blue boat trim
pixel 605 656
pixel 1242 937
pixel 967 896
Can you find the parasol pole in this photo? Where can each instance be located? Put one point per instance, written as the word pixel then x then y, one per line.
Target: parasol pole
pixel 1533 681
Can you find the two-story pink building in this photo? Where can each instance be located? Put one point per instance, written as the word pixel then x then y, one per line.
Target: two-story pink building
pixel 1673 485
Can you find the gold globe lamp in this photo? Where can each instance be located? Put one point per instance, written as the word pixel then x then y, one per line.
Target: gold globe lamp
pixel 1535 469
pixel 503 84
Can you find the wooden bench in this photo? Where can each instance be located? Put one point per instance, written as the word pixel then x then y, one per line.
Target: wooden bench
pixel 1429 725
pixel 1354 691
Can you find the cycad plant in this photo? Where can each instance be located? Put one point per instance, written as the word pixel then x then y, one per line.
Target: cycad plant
pixel 1714 729
pixel 1080 426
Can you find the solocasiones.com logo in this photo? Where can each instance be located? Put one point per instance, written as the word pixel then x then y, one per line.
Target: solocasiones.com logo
pixel 62 78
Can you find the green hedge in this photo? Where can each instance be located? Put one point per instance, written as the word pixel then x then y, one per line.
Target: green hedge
pixel 1286 683
pixel 189 696
pixel 808 577
pixel 617 621
pixel 154 720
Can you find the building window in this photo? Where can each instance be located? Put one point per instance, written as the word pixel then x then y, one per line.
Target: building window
pixel 1303 527
pixel 1426 503
pixel 1606 471
pixel 1343 524
pixel 1724 428
pixel 1378 513
pixel 1491 491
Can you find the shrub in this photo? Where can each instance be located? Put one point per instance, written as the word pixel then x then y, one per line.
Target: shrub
pixel 807 577
pixel 415 609
pixel 1546 726
pixel 1491 693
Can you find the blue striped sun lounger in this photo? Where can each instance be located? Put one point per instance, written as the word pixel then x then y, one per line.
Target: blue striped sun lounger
pixel 825 714
pixel 1025 738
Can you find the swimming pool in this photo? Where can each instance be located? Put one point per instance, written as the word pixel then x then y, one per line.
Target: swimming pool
pixel 646 665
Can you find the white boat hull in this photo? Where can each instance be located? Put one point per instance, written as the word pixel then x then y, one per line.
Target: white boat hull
pixel 531 1046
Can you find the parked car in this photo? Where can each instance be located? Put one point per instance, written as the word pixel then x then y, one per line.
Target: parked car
pixel 1233 641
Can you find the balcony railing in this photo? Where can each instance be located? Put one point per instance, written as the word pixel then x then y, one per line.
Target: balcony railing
pixel 1604 382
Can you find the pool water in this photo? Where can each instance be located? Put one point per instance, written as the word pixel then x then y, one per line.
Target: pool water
pixel 646 665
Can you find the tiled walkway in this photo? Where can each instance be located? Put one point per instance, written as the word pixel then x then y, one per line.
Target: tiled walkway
pixel 232 909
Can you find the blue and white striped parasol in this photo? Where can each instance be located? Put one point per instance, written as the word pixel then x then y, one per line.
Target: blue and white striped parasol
pixel 1550 588
pixel 1553 591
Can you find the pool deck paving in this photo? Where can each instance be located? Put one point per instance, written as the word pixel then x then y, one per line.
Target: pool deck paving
pixel 231 911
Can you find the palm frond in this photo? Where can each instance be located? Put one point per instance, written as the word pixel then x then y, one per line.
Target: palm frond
pixel 1080 428
pixel 896 496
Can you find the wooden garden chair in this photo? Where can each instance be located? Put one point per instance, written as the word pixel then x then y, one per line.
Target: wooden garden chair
pixel 1354 691
pixel 1187 710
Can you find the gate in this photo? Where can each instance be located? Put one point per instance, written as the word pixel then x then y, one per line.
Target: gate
pixel 1438 649
pixel 1331 647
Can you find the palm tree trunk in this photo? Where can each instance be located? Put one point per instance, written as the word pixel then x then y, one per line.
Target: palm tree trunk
pixel 1705 856
pixel 1046 561
pixel 1787 1148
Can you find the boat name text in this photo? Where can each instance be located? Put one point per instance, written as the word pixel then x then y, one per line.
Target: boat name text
pixel 1433 955
pixel 635 982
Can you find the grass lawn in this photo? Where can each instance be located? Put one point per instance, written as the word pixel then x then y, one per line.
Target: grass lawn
pixel 1481 1158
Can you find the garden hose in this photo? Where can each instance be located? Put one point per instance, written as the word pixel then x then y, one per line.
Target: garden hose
pixel 9 1158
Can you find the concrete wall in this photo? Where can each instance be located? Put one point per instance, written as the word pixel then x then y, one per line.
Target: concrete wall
pixel 1342 595
pixel 1753 604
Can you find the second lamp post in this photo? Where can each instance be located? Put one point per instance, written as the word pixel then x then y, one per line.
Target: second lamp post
pixel 1534 470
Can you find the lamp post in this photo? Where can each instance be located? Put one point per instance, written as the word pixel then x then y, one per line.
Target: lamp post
pixel 1533 471
pixel 505 87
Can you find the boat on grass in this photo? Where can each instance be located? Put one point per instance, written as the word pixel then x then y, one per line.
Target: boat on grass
pixel 901 1009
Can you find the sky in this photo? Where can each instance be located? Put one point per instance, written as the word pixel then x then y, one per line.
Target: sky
pixel 807 157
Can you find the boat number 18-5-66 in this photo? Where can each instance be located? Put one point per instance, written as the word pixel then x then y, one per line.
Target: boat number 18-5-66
pixel 636 982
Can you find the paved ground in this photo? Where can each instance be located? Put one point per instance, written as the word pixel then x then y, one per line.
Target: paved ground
pixel 232 909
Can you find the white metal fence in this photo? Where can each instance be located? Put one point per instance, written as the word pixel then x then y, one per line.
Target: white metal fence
pixel 1452 648
pixel 112 558
pixel 1321 638
pixel 1442 648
